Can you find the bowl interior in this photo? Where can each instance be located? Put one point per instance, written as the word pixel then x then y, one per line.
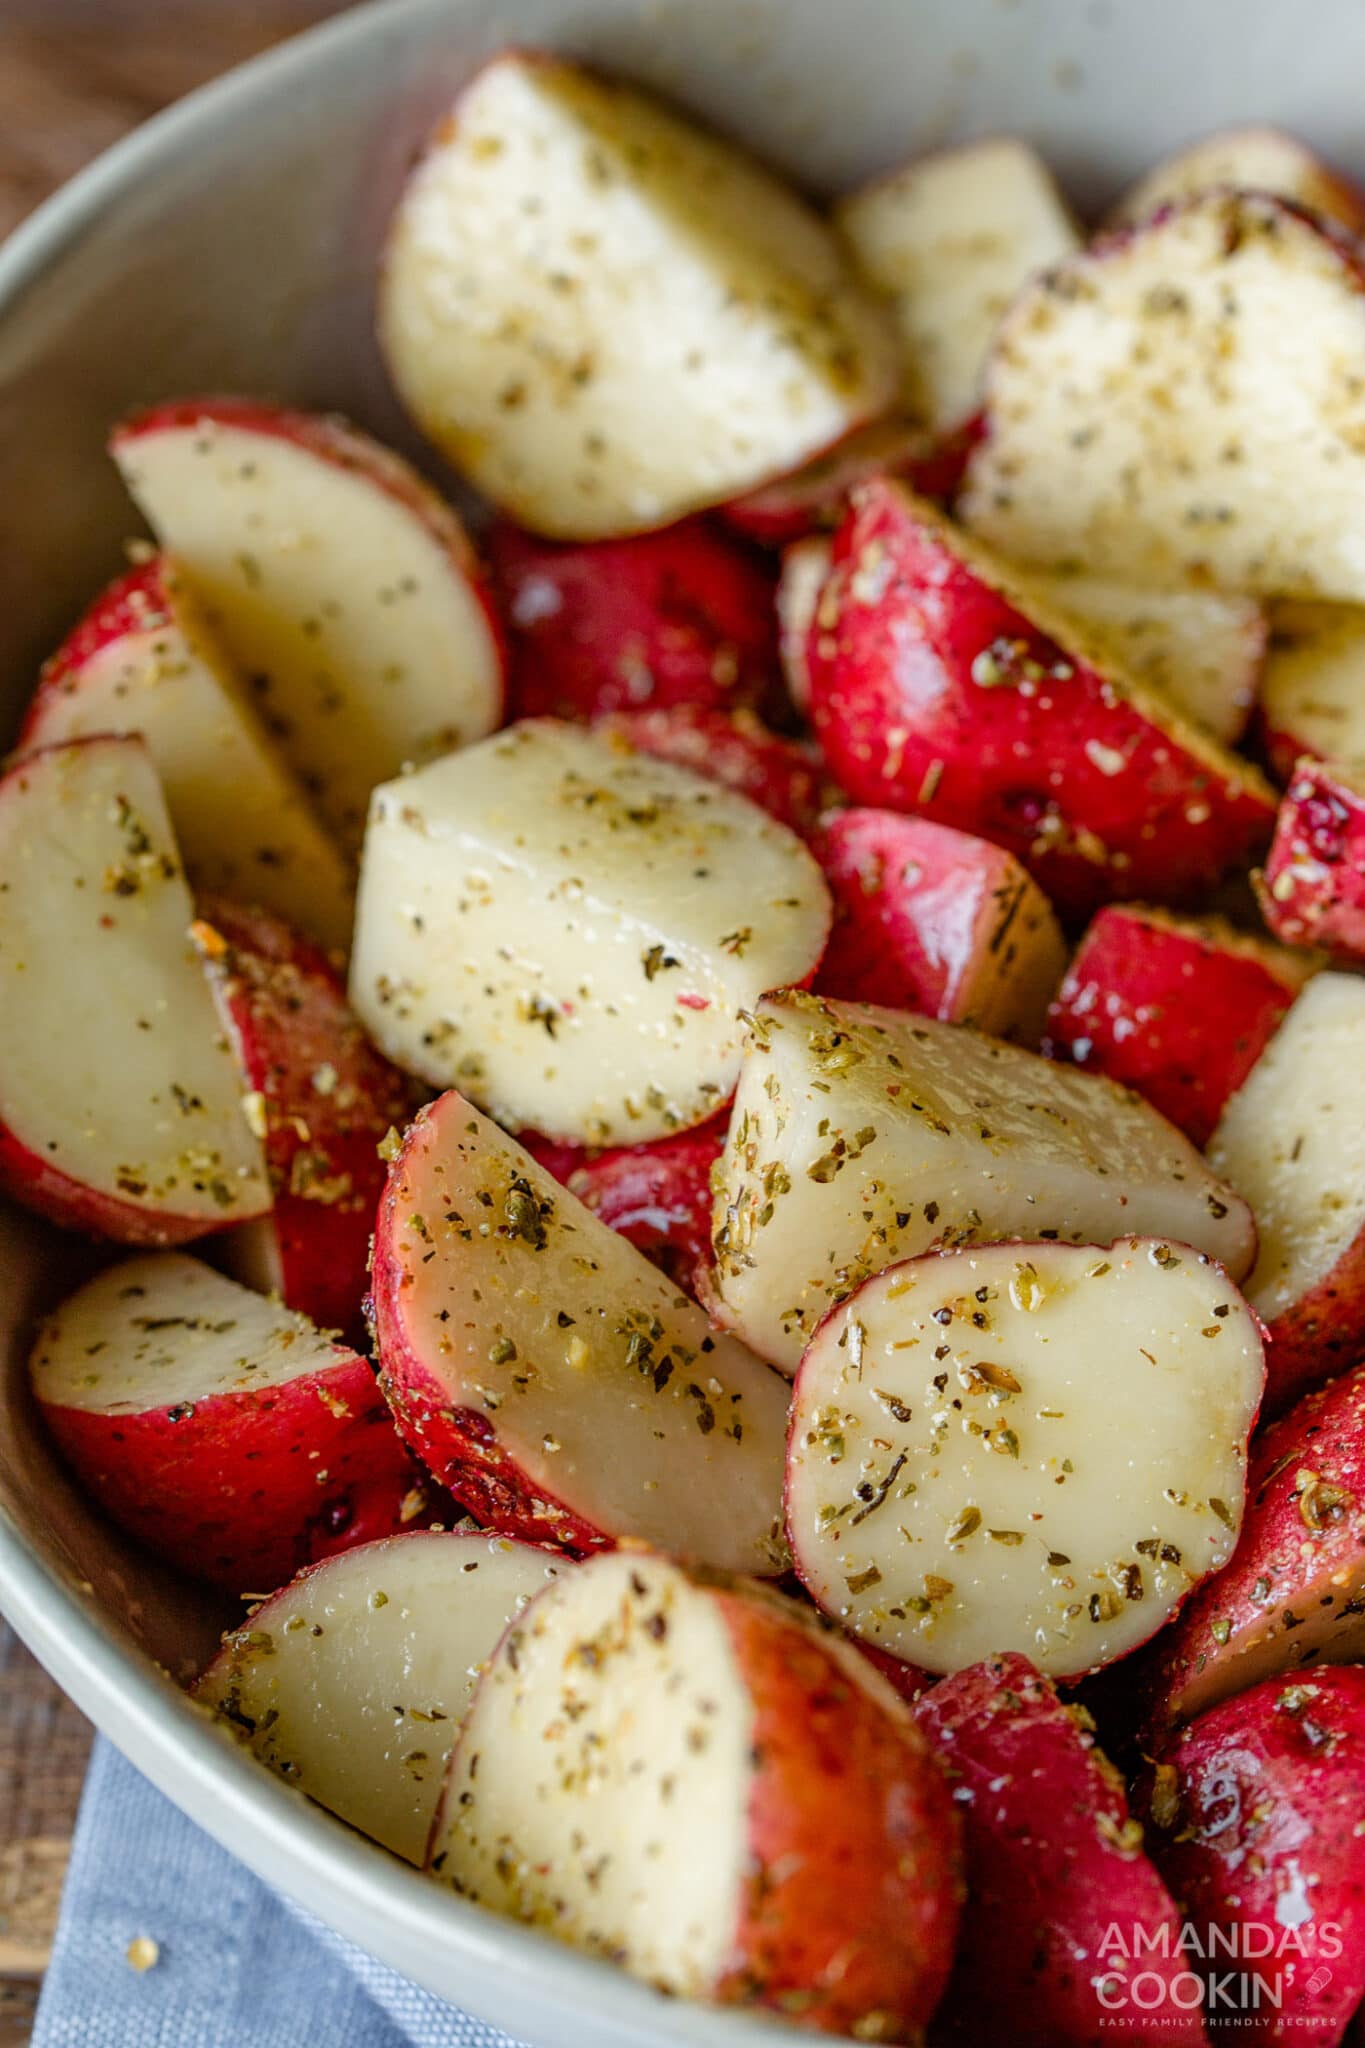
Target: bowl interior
pixel 232 245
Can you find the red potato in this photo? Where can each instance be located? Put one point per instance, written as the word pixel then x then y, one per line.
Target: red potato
pixel 1293 1593
pixel 121 1109
pixel 658 1196
pixel 1169 406
pixel 783 777
pixel 949 240
pixel 1313 691
pixel 932 920
pixel 1054 1863
pixel 219 1429
pixel 679 617
pixel 1254 159
pixel 144 660
pixel 816 496
pixel 1039 1447
pixel 1289 1142
pixel 718 337
pixel 1256 1813
pixel 571 931
pixel 1313 890
pixel 351 1683
pixel 941 685
pixel 860 1136
pixel 805 566
pixel 336 578
pixel 1179 1008
pixel 691 1778
pixel 551 1377
pixel 323 1099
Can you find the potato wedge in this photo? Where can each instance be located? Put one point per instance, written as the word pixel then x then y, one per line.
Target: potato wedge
pixel 862 1136
pixel 1253 159
pixel 1037 1446
pixel 1312 892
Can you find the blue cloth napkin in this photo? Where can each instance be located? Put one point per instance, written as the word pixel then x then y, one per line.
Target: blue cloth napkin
pixel 233 1969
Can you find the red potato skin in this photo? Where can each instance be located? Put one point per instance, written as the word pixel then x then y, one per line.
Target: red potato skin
pixel 851 1902
pixel 681 616
pixel 285 1008
pixel 1301 1548
pixel 932 693
pixel 1313 890
pixel 1262 1799
pixel 783 777
pixel 135 603
pixel 1168 1010
pixel 458 1446
pixel 1322 1334
pixel 658 1196
pixel 815 497
pixel 244 1488
pixel 1053 1860
pixel 915 905
pixel 332 439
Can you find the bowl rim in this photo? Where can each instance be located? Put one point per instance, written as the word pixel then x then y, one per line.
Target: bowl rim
pixel 220 1786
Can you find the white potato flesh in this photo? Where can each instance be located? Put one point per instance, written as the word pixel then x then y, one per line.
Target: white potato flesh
pixel 1027 1447
pixel 805 566
pixel 600 1787
pixel 860 1136
pixel 154 1332
pixel 245 827
pixel 1313 693
pixel 1256 159
pixel 607 317
pixel 949 240
pixel 1182 401
pixel 605 1386
pixel 362 631
pixel 1199 650
pixel 568 932
pixel 1292 1142
pixel 113 1066
pixel 352 1682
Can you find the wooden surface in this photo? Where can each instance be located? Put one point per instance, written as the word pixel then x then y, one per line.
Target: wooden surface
pixel 74 76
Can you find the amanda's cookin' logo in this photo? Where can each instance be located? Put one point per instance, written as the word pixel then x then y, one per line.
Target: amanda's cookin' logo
pixel 1227 1971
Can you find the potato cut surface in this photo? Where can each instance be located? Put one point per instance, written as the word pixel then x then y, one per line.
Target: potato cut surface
pixel 1313 694
pixel 1033 1447
pixel 608 317
pixel 143 660
pixel 949 240
pixel 352 1682
pixel 568 931
pixel 860 1136
pixel 338 582
pixel 113 1070
pixel 570 1367
pixel 1179 401
pixel 167 1329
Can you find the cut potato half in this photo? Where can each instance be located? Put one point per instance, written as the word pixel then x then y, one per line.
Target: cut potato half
pixel 860 1136
pixel 607 316
pixel 352 1682
pixel 1030 1447
pixel 949 240
pixel 143 660
pixel 568 931
pixel 121 1110
pixel 556 1381
pixel 1179 401
pixel 343 586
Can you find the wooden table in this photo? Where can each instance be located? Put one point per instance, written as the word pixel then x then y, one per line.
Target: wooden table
pixel 74 76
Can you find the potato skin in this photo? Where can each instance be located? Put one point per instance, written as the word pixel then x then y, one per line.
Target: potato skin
pixel 1313 889
pixel 1257 1810
pixel 659 1196
pixel 932 692
pixel 1179 1012
pixel 243 1489
pixel 1298 1571
pixel 1053 1859
pixel 850 1910
pixel 815 497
